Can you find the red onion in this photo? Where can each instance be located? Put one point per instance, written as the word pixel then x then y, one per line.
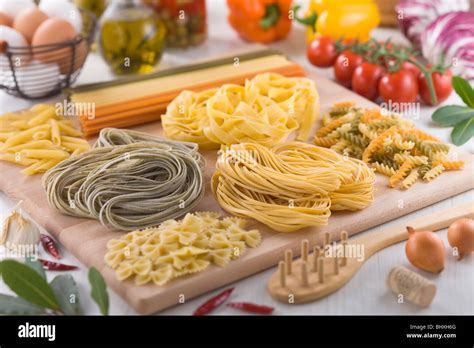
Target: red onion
pixel 449 39
pixel 415 15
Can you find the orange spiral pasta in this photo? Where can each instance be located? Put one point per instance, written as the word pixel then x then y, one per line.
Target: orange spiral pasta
pixel 387 142
pixel 401 173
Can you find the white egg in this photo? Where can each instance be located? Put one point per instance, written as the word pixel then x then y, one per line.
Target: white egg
pixel 12 37
pixel 35 80
pixel 14 7
pixel 63 9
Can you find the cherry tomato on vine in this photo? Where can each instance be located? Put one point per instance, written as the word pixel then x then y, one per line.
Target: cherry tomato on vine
pixel 345 65
pixel 442 85
pixel 365 79
pixel 399 87
pixel 322 51
pixel 412 68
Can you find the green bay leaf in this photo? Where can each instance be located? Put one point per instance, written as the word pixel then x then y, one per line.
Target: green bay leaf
pixel 463 132
pixel 451 115
pixel 28 284
pixel 37 266
pixel 65 289
pixel 99 290
pixel 12 305
pixel 464 90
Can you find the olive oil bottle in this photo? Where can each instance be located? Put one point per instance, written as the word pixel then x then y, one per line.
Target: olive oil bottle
pixel 131 37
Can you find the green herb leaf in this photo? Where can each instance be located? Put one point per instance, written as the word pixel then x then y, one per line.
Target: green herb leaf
pixel 451 115
pixel 37 266
pixel 99 290
pixel 464 90
pixel 65 289
pixel 463 132
pixel 11 305
pixel 28 284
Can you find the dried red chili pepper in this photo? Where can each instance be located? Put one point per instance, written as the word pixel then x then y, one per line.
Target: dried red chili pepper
pixel 50 246
pixel 251 307
pixel 55 266
pixel 214 302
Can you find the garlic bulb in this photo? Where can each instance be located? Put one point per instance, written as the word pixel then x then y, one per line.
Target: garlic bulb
pixel 18 230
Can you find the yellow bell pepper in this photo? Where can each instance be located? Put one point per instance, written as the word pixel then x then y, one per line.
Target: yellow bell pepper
pixel 348 19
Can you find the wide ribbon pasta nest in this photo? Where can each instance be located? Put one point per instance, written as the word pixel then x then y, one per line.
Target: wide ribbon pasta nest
pixel 266 110
pixel 176 248
pixel 290 186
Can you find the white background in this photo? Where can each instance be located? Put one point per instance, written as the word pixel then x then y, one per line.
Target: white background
pixel 366 293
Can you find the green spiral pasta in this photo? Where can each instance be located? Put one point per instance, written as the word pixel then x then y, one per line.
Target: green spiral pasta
pixel 354 139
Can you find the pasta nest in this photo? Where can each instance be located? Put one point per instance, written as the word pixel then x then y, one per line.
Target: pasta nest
pixel 290 186
pixel 266 110
pixel 131 185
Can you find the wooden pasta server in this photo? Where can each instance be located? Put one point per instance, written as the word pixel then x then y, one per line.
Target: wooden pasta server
pixel 331 266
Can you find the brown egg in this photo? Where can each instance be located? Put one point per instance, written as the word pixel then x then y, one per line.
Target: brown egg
pixel 5 19
pixel 28 21
pixel 55 31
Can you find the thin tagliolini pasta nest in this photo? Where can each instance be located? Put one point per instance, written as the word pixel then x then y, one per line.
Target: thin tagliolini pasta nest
pixel 266 110
pixel 290 186
pixel 129 180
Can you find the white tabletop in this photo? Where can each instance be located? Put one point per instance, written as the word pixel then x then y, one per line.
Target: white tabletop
pixel 366 293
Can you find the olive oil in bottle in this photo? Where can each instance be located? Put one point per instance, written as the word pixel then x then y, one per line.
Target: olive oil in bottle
pixel 132 37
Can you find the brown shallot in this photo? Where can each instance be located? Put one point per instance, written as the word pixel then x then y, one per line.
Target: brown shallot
pixel 425 250
pixel 461 236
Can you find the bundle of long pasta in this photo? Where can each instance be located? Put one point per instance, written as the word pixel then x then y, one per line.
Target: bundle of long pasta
pixel 290 186
pixel 176 248
pixel 266 110
pixel 136 185
pixel 38 138
pixel 142 99
pixel 390 144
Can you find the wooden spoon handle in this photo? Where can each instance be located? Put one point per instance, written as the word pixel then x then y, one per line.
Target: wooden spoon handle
pixel 432 222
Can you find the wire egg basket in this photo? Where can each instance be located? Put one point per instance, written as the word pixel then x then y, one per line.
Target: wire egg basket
pixel 34 72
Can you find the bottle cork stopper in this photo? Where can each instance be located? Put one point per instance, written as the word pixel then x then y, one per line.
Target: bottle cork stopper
pixel 414 287
pixel 281 272
pixel 304 274
pixel 288 261
pixel 304 250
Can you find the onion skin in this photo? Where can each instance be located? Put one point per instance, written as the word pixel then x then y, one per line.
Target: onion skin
pixel 461 236
pixel 425 250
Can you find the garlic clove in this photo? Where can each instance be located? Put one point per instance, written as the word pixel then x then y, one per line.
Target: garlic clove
pixel 18 230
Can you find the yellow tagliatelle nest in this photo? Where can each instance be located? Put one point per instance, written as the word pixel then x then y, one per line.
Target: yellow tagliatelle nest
pixel 290 186
pixel 179 247
pixel 266 110
pixel 186 118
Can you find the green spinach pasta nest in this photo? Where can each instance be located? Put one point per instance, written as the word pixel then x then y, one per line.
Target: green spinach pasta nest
pixel 129 186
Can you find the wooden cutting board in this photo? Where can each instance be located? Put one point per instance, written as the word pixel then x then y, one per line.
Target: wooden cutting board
pixel 87 239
